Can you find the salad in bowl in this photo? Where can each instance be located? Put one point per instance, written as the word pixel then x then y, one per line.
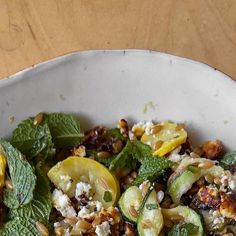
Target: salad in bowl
pixel 134 179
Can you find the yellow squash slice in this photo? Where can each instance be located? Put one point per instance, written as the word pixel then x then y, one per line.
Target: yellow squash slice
pixel 165 138
pixel 87 170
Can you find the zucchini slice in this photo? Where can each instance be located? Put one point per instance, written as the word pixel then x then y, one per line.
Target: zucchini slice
pixel 181 184
pixel 130 202
pixel 188 215
pixel 150 221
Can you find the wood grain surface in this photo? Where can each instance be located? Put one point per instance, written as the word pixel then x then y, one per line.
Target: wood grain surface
pixel 32 31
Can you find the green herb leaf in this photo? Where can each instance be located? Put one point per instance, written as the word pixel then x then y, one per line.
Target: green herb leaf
pixel 115 132
pixel 65 129
pixel 107 197
pixel 40 207
pixel 20 227
pixel 229 159
pixel 31 139
pixel 151 206
pixel 10 199
pixel 105 161
pixel 21 173
pixel 123 159
pixel 141 151
pixel 151 168
pixel 186 229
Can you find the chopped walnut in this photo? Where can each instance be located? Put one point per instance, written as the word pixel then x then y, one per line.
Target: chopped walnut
pixel 212 149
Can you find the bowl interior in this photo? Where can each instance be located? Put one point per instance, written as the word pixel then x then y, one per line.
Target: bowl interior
pixel 104 86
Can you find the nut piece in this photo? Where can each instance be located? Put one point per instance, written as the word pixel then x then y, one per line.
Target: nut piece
pixel 228 205
pixel 38 119
pixel 42 229
pixel 129 229
pixel 123 126
pixel 80 151
pixel 212 149
pixel 206 164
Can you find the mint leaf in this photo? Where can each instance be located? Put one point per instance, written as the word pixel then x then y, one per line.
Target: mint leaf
pixel 186 229
pixel 10 199
pixel 20 227
pixel 31 139
pixel 141 151
pixel 105 161
pixel 151 168
pixel 123 159
pixel 115 132
pixel 65 129
pixel 229 159
pixel 39 208
pixel 21 173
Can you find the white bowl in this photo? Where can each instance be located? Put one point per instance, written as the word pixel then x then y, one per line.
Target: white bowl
pixel 104 86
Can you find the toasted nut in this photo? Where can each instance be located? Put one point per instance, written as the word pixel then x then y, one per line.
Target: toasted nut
pixel 138 132
pixel 209 178
pixel 179 127
pixel 80 151
pixel 38 119
pixel 59 231
pixel 129 229
pixel 84 225
pixel 122 124
pixel 96 221
pixel 71 221
pixel 146 224
pixel 133 212
pixel 103 154
pixel 156 128
pixel 134 174
pixel 158 144
pixel 212 149
pixel 22 157
pixel 42 229
pixel 144 188
pixel 117 146
pixel 206 164
pixel 9 184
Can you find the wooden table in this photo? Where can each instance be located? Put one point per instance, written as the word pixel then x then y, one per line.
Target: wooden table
pixel 32 31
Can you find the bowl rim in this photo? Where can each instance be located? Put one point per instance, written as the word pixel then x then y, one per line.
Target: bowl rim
pixel 11 78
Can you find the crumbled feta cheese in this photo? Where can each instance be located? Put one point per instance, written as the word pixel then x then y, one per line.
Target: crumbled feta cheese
pixel 66 181
pixel 98 206
pixel 175 156
pixel 103 229
pixel 85 213
pixel 132 136
pixel 82 188
pixel 145 125
pixel 232 183
pixel 160 196
pixel 62 203
pixel 57 224
pixel 67 232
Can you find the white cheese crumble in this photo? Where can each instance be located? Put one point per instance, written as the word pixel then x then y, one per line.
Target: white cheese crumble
pixel 145 125
pixel 103 229
pixel 82 188
pixel 66 181
pixel 160 196
pixel 63 204
pixel 85 213
pixel 175 156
